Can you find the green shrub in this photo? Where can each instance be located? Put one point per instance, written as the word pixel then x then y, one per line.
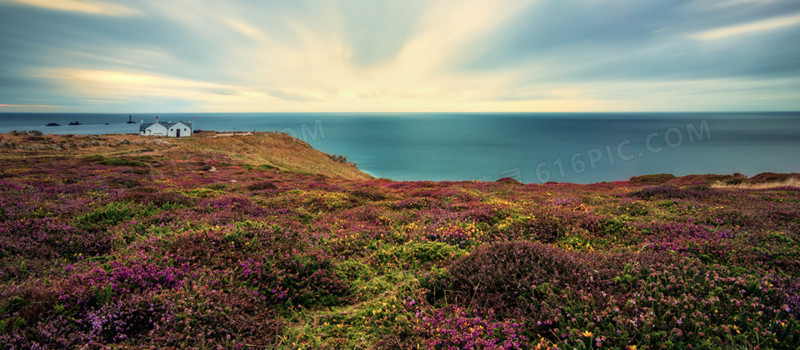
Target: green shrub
pixel 112 214
pixel 652 178
pixel 262 186
pixel 216 187
pixel 266 167
pixel 119 161
pixel 202 193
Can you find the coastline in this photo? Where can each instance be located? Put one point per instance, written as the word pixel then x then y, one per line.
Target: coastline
pixel 532 148
pixel 37 145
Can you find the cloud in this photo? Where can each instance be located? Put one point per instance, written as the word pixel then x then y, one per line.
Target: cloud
pixel 93 7
pixel 376 31
pixel 245 28
pixel 28 106
pixel 752 27
pixel 110 84
pixel 437 55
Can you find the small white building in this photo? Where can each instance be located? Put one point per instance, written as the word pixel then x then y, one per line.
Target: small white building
pixel 179 129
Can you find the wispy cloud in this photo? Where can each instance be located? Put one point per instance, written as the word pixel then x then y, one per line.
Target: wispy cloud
pixel 27 106
pixel 115 84
pixel 94 7
pixel 752 27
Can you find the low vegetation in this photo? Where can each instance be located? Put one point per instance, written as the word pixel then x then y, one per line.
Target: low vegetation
pixel 160 252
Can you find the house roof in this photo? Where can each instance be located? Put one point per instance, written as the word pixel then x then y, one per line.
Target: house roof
pixel 169 125
pixel 144 126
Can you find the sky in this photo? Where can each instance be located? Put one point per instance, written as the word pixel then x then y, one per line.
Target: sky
pixel 145 56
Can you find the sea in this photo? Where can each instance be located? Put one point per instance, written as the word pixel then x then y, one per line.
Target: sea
pixel 529 147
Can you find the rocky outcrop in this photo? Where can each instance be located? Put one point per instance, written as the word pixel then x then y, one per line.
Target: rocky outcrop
pixel 340 159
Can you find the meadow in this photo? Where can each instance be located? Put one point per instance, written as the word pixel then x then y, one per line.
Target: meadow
pixel 199 250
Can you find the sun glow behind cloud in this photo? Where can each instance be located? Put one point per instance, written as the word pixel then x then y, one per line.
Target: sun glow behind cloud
pixel 444 55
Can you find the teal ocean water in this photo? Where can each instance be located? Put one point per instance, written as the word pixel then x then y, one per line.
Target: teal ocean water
pixel 533 148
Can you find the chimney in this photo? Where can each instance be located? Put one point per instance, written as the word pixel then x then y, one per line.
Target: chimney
pixel 156 119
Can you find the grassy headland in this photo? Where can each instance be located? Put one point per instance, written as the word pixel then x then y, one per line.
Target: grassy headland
pixel 261 241
pixel 265 150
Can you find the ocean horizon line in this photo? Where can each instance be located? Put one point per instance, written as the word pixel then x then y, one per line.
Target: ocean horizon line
pixel 406 113
pixel 531 147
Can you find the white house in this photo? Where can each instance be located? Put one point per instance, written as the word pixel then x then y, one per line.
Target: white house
pixel 179 129
pixel 152 129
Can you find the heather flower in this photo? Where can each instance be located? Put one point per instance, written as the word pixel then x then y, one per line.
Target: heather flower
pixel 171 255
